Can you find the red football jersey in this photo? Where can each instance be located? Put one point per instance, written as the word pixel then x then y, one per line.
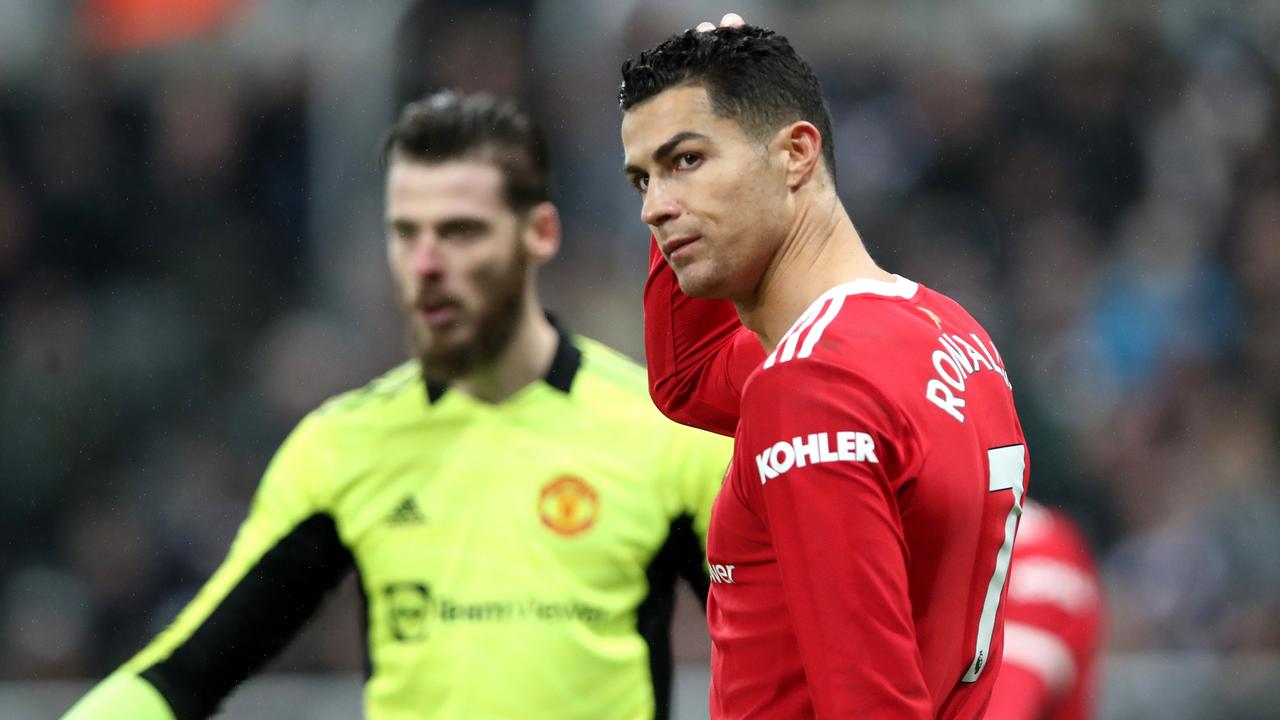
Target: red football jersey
pixel 697 352
pixel 860 544
pixel 1054 616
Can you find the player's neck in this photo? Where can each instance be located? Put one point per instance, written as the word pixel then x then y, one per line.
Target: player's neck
pixel 527 358
pixel 822 249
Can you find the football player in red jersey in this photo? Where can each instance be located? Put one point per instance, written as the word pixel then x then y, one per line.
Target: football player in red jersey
pixel 860 544
pixel 1053 622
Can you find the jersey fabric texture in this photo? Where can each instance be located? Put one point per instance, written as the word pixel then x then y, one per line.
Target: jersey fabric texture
pixel 699 355
pixel 517 559
pixel 1054 620
pixel 860 545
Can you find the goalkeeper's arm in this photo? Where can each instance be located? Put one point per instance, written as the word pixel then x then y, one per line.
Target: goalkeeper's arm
pixel 251 607
pixel 122 696
pixel 286 556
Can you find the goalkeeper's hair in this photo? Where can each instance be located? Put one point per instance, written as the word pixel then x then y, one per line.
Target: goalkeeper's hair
pixel 752 75
pixel 448 126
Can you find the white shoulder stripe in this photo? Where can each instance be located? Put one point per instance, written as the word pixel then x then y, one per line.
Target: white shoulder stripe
pixel 815 334
pixel 1041 652
pixel 786 348
pixel 815 319
pixel 898 287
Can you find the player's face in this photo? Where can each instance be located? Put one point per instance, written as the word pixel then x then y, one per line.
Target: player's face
pixel 455 249
pixel 714 198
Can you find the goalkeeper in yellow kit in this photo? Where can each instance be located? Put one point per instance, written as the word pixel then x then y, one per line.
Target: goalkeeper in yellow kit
pixel 516 510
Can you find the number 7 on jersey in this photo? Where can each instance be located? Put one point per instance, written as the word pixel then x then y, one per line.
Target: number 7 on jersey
pixel 1005 468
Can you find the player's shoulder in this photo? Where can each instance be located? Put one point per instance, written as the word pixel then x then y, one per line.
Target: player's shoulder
pixel 614 390
pixel 346 429
pixel 609 375
pixel 822 384
pixel 854 321
pixel 847 331
pixel 378 396
pixel 893 334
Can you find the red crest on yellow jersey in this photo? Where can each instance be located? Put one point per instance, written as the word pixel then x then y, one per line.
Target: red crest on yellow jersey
pixel 568 505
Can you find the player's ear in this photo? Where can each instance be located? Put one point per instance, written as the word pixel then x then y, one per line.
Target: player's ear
pixel 541 235
pixel 801 144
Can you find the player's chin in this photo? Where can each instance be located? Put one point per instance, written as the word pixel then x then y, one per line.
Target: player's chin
pixel 448 361
pixel 697 280
pixel 445 338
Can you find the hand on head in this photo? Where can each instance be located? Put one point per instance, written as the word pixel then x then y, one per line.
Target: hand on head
pixel 729 20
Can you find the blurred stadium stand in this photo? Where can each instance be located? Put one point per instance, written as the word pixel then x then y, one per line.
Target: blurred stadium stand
pixel 191 258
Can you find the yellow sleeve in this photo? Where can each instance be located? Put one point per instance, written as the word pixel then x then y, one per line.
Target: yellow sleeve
pixel 285 556
pixel 284 499
pixel 699 461
pixel 121 696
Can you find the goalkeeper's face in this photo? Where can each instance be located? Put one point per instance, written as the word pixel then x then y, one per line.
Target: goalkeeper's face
pixel 460 257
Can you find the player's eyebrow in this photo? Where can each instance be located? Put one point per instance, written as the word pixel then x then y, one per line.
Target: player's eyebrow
pixel 400 225
pixel 665 149
pixel 461 224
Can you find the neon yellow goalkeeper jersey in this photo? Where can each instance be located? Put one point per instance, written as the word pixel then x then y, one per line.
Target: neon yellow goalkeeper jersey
pixel 517 560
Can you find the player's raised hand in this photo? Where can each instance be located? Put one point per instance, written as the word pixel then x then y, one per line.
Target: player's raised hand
pixel 729 20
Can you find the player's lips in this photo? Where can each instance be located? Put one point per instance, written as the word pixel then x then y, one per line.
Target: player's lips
pixel 672 247
pixel 438 314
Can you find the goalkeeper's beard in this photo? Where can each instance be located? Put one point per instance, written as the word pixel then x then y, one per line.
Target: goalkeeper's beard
pixel 495 320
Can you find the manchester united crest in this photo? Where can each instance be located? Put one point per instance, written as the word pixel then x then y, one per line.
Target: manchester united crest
pixel 568 505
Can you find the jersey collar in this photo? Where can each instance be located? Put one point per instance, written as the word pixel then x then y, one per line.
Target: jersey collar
pixel 560 375
pixel 898 287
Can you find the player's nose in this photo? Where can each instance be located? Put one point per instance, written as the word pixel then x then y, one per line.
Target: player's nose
pixel 659 205
pixel 428 260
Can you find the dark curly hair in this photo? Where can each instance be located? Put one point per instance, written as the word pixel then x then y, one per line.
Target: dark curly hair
pixel 449 126
pixel 751 75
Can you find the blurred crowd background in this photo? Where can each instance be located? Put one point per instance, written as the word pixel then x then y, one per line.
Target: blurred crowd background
pixel 191 258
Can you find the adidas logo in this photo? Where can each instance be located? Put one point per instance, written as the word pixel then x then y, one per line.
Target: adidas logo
pixel 407 513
